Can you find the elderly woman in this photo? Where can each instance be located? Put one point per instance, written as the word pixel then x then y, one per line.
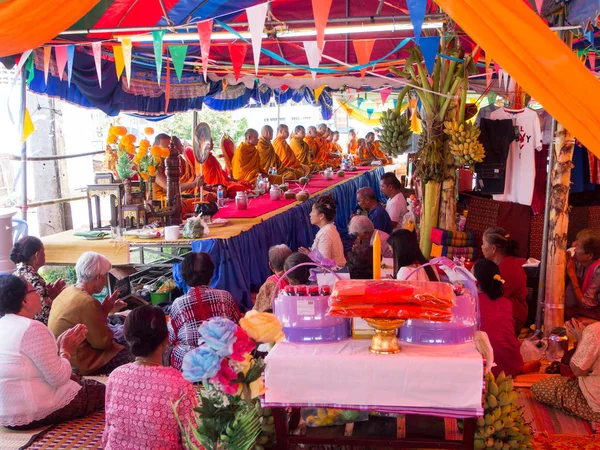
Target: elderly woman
pixel 364 232
pixel 37 387
pixel 583 270
pixel 277 256
pixel 99 353
pixel 145 385
pixel 29 256
pixel 199 304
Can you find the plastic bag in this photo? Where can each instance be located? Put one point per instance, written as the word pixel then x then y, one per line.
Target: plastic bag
pixel 195 228
pixel 323 417
pixel 533 349
pixel 392 311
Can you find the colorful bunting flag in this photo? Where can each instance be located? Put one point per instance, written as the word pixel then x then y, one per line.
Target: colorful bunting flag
pixel 539 4
pixel 224 84
pixel 22 60
pixel 488 60
pixel 359 101
pixel 492 96
pixel 385 93
pixel 70 57
pixel 370 112
pixel 97 51
pixel 237 52
pixel 416 9
pixel 488 76
pixel 477 55
pixel 592 59
pixel 204 33
pixel 321 10
pixel 589 35
pixel 363 49
pixel 318 92
pixel 256 23
pixel 503 76
pixel 313 55
pixel 126 45
pixel 395 103
pixel 119 61
pixel 429 48
pixel 30 67
pixel 168 87
pixel 28 127
pixel 47 55
pixel 178 54
pixel 157 44
pixel 60 51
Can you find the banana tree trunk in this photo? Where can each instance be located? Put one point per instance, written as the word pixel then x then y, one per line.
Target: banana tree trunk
pixel 447 216
pixel 557 232
pixel 429 214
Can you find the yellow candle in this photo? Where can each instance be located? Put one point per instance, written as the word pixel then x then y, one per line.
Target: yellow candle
pixel 376 257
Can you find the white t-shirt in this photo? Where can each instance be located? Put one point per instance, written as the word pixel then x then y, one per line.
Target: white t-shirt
pixel 419 275
pixel 520 164
pixel 396 208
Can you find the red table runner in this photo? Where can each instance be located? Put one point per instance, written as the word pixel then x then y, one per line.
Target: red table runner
pixel 264 205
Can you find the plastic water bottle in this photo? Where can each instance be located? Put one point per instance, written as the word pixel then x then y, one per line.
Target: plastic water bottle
pixel 220 196
pixel 259 183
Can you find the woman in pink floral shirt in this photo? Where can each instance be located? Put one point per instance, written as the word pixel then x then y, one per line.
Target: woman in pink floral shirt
pixel 140 395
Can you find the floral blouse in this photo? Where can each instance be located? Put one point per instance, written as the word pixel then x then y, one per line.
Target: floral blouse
pixel 29 274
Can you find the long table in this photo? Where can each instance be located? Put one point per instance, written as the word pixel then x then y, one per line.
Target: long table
pixel 239 250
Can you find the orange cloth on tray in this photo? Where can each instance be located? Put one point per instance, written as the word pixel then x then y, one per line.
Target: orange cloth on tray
pixel 392 311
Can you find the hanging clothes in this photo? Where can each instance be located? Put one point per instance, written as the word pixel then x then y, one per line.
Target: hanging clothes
pixel 538 203
pixel 581 171
pixel 485 113
pixel 520 165
pixel 594 168
pixel 496 137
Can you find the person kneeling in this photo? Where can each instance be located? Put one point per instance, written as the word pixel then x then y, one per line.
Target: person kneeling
pixel 277 256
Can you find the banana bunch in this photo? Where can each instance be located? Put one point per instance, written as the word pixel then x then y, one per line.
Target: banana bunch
pixel 266 438
pixel 431 164
pixel 395 132
pixel 502 427
pixel 464 145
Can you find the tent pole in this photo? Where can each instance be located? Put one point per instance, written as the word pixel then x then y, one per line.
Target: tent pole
pixel 22 109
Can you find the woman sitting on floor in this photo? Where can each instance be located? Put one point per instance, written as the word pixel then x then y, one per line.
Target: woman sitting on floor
pixel 37 387
pixel 29 256
pixel 199 304
pixel 99 353
pixel 140 395
pixel 583 270
pixel 496 318
pixel 360 261
pixel 301 275
pixel 408 257
pixel 500 248
pixel 577 395
pixel 277 256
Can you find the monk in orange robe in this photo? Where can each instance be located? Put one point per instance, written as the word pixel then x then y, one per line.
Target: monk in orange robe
pixel 375 148
pixel 214 175
pixel 286 154
pixel 336 145
pixel 352 142
pixel 189 181
pixel 269 158
pixel 325 142
pixel 363 157
pixel 311 141
pixel 302 150
pixel 246 161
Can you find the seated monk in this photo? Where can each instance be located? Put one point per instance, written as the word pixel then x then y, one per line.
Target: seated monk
pixel 214 175
pixel 268 158
pixel 286 154
pixel 246 161
pixel 375 148
pixel 337 148
pixel 363 157
pixel 311 140
pixel 333 151
pixel 352 142
pixel 324 155
pixel 188 180
pixel 302 150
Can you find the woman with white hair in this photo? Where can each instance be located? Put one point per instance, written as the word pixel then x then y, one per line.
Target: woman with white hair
pixel 99 353
pixel 364 232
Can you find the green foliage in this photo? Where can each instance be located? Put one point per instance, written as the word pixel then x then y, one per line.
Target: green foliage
pixel 52 273
pixel 124 165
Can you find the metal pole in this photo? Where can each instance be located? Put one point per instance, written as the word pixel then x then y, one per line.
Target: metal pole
pixel 278 111
pixel 194 122
pixel 23 106
pixel 542 280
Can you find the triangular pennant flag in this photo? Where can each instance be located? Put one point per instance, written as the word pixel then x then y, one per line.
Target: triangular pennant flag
pixel 429 48
pixel 589 35
pixel 497 69
pixel 385 93
pixel 47 55
pixel 360 100
pixel 70 57
pixel 237 52
pixel 312 55
pixel 119 62
pixel 321 14
pixel 318 92
pixel 488 76
pixel 204 33
pixel 126 45
pixel 416 9
pixel 488 60
pixel 256 24
pixel 22 60
pixel 168 87
pixel 539 4
pixel 502 74
pixel 363 49
pixel 592 59
pixel 378 103
pixel 30 67
pixel 477 55
pixel 492 96
pixel 224 84
pixel 97 51
pixel 512 85
pixel 157 43
pixel 395 103
pixel 28 127
pixel 60 51
pixel 369 112
pixel 178 54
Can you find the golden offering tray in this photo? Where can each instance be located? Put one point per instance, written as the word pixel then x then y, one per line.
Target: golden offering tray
pixel 385 341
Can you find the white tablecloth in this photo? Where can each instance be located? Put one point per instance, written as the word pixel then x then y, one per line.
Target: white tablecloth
pixel 421 379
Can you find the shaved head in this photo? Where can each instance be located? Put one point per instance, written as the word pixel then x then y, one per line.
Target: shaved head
pixel 251 136
pixel 283 131
pixel 312 131
pixel 267 132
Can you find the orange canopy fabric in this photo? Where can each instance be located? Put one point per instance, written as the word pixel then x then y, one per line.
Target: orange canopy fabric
pixel 27 24
pixel 514 35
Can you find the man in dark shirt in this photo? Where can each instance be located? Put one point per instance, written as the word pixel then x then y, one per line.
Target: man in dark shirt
pixel 377 213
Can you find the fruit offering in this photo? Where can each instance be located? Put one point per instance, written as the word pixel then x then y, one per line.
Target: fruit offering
pixel 464 145
pixel 323 417
pixel 502 427
pixel 395 133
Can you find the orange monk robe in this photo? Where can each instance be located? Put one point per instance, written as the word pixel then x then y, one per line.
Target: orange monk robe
pixel 302 152
pixel 268 158
pixel 288 158
pixel 321 155
pixel 363 156
pixel 215 175
pixel 312 146
pixel 380 154
pixel 246 163
pixel 337 148
pixel 353 146
pixel 187 174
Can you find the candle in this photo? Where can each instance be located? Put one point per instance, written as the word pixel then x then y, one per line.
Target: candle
pixel 376 257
